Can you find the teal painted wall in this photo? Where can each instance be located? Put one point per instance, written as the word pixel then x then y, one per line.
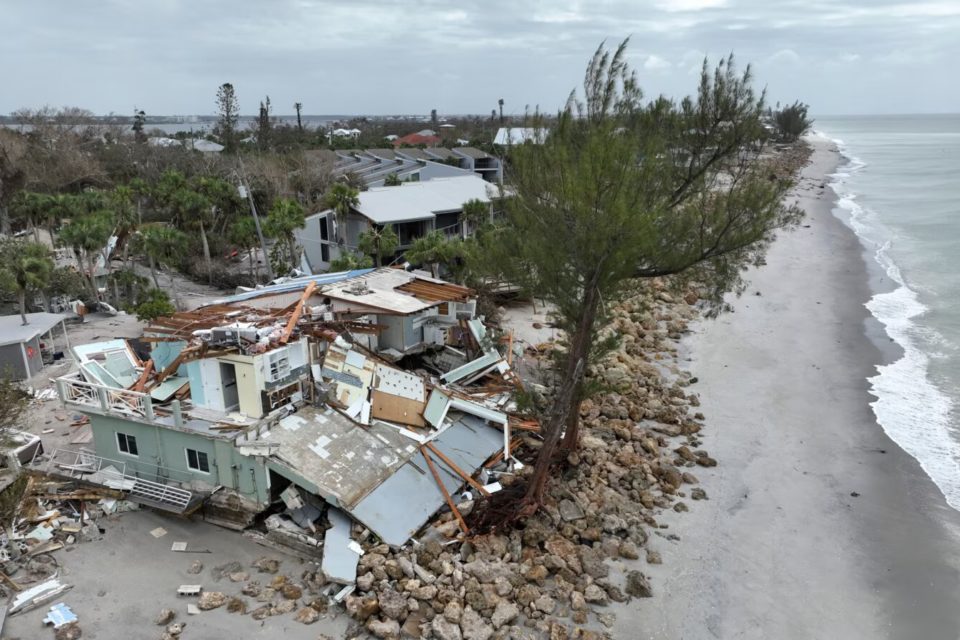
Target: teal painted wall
pixel 163 353
pixel 160 446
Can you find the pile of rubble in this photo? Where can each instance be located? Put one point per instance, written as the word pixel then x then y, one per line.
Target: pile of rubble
pixel 46 516
pixel 638 452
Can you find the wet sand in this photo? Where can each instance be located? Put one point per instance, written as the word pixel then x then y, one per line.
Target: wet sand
pixel 818 525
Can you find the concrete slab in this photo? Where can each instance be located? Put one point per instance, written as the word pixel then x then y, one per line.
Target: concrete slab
pixel 121 582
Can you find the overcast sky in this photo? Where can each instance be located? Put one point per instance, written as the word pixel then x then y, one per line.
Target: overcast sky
pixel 409 56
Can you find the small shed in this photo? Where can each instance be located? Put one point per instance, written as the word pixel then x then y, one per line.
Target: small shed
pixel 23 346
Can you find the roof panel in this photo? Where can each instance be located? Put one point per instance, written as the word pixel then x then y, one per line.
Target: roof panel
pixel 13 331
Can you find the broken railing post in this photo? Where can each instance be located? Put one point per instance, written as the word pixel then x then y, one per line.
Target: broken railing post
pixel 148 407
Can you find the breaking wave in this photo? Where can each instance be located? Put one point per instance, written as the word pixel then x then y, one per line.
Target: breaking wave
pixel 908 406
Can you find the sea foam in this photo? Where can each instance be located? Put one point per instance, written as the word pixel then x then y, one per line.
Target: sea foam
pixel 908 406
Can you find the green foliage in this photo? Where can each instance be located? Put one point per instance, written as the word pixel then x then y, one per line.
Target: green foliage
pixel 88 234
pixel 392 180
pixel 228 115
pixel 348 261
pixel 341 198
pixel 435 249
pixel 164 244
pixel 475 213
pixel 285 217
pixel 153 303
pixel 624 189
pixel 67 281
pixel 243 234
pixel 32 210
pixel 24 266
pixel 379 242
pixel 792 121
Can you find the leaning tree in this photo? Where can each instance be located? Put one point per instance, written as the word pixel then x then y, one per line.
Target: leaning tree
pixel 623 189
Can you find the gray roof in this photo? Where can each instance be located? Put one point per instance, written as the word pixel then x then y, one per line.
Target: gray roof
pixel 472 152
pixel 414 152
pixel 386 154
pixel 13 331
pixel 422 200
pixel 439 152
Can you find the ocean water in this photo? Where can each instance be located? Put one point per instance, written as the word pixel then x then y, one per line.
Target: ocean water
pixel 899 190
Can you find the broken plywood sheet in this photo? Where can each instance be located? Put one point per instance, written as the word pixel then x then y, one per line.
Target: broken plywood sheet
pixel 399 383
pixel 396 409
pixel 340 557
pixel 397 508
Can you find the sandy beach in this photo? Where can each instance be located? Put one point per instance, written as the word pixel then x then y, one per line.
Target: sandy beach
pixel 818 525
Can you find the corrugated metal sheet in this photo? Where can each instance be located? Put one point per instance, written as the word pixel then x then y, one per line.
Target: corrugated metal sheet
pixel 297 284
pixel 340 558
pixel 401 505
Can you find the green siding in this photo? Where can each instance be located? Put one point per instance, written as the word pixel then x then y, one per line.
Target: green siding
pixel 160 447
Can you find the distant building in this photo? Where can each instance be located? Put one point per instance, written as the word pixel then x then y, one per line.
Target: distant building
pixel 427 138
pixel 204 146
pixel 507 136
pixel 409 164
pixel 414 209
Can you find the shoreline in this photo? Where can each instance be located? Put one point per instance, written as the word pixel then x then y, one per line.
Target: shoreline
pixel 818 524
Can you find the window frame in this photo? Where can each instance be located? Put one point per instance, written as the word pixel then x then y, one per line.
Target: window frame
pixel 197 453
pixel 125 444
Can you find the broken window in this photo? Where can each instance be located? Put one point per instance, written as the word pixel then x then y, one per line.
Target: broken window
pixel 127 444
pixel 197 460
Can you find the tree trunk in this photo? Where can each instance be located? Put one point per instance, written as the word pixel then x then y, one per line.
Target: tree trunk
pixel 176 292
pixel 571 439
pixel 92 269
pixel 294 258
pixel 565 400
pixel 206 254
pixel 22 296
pixel 250 265
pixel 153 271
pixel 4 221
pixel 36 234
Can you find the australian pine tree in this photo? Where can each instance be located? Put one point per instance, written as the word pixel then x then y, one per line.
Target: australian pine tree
pixel 228 115
pixel 623 189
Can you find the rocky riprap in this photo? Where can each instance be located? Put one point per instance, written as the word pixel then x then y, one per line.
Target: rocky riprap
pixel 639 452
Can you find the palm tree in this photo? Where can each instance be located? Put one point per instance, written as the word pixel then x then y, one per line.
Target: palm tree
pixel 25 265
pixel 379 242
pixel 474 214
pixel 164 246
pixel 243 234
pixel 33 209
pixel 87 236
pixel 285 217
pixel 341 198
pixel 435 249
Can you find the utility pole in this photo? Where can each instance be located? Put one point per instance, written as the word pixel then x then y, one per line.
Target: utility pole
pixel 245 192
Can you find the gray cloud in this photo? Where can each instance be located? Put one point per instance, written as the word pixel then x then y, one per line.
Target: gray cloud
pixel 378 57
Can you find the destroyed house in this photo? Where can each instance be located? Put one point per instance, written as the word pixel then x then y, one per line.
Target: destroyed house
pixel 393 312
pixel 238 410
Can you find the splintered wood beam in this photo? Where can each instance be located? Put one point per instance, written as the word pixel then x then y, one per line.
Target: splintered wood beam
pixel 142 380
pixel 295 316
pixel 443 490
pixel 171 368
pixel 457 470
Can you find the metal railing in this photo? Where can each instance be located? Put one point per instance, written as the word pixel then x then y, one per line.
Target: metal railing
pixel 75 391
pixel 114 474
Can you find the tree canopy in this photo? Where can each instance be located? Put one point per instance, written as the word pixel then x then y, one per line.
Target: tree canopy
pixel 622 189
